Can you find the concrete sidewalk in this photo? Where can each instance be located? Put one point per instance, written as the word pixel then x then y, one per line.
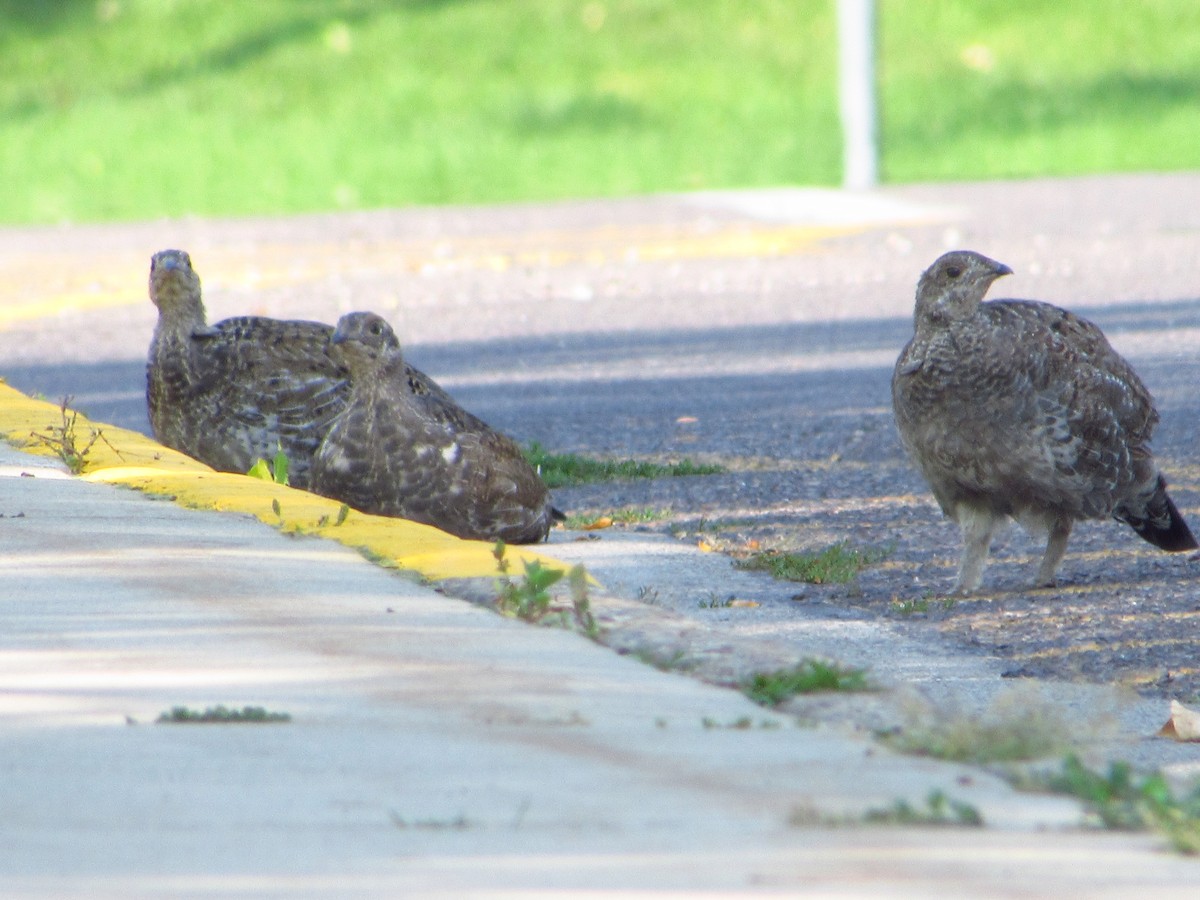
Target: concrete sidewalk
pixel 435 747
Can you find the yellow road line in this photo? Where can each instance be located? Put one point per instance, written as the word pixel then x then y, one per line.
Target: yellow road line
pixel 271 265
pixel 134 460
pixel 68 302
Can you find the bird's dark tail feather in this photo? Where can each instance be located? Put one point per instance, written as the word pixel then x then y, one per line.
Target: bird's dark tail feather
pixel 1161 524
pixel 557 514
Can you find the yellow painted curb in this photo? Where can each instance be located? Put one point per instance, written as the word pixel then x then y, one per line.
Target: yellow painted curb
pixel 118 456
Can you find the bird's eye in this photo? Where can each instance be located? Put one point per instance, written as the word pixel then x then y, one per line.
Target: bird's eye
pixel 376 328
pixel 953 271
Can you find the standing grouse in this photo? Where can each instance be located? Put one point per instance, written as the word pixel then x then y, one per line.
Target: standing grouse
pixel 243 389
pixel 1018 408
pixel 396 453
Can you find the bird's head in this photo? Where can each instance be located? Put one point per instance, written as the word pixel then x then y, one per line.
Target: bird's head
pixel 954 286
pixel 174 284
pixel 366 340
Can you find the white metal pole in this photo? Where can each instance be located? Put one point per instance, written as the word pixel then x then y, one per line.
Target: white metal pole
pixel 856 90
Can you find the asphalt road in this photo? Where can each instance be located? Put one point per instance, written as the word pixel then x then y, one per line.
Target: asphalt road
pixel 754 329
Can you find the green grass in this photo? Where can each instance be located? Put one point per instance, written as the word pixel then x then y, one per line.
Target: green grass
pixel 939 809
pixel 120 109
pixel 626 515
pixel 998 88
pixel 837 564
pixel 808 677
pixel 564 469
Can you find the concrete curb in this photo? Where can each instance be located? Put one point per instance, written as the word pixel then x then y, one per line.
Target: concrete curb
pixel 133 460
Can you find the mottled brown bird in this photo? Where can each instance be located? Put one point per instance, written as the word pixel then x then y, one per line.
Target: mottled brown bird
pixel 395 453
pixel 1019 408
pixel 240 390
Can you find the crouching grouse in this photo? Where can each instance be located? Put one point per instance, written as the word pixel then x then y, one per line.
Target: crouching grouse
pixel 238 391
pixel 396 453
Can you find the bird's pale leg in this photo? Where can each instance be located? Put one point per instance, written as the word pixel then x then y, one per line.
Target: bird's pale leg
pixel 1056 546
pixel 978 526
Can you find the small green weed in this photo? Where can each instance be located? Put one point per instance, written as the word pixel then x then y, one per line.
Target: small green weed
pixel 675 661
pixel 530 599
pixel 913 607
pixel 581 604
pixel 939 810
pixel 921 605
pixel 703 525
pixel 564 469
pixel 742 723
pixel 339 519
pixel 275 471
pixel 296 529
pixel 65 443
pixel 648 594
pixel 1119 800
pixel 808 677
pixel 379 559
pixel 222 715
pixel 833 565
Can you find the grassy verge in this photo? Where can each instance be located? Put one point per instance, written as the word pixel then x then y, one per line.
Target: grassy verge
pixel 808 677
pixel 627 515
pixel 837 564
pixel 118 109
pixel 563 469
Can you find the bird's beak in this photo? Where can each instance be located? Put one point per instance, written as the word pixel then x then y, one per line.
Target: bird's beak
pixel 338 338
pixel 1001 270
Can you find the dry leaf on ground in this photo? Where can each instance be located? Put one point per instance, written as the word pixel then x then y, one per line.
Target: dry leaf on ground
pixel 1184 724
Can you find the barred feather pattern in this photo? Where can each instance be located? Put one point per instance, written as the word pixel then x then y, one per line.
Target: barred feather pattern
pixel 1019 408
pixel 240 390
pixel 396 453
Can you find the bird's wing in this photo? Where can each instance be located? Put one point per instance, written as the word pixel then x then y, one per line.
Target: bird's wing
pixel 1081 417
pixel 387 453
pixel 259 385
pixel 270 370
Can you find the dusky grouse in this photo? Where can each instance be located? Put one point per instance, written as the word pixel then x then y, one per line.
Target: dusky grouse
pixel 240 390
pixel 395 453
pixel 1019 408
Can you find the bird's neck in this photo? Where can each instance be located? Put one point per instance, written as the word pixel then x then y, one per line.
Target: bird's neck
pixel 182 314
pixel 391 368
pixel 942 311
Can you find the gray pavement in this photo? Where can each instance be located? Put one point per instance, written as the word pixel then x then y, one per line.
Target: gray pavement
pixel 438 748
pixel 435 747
